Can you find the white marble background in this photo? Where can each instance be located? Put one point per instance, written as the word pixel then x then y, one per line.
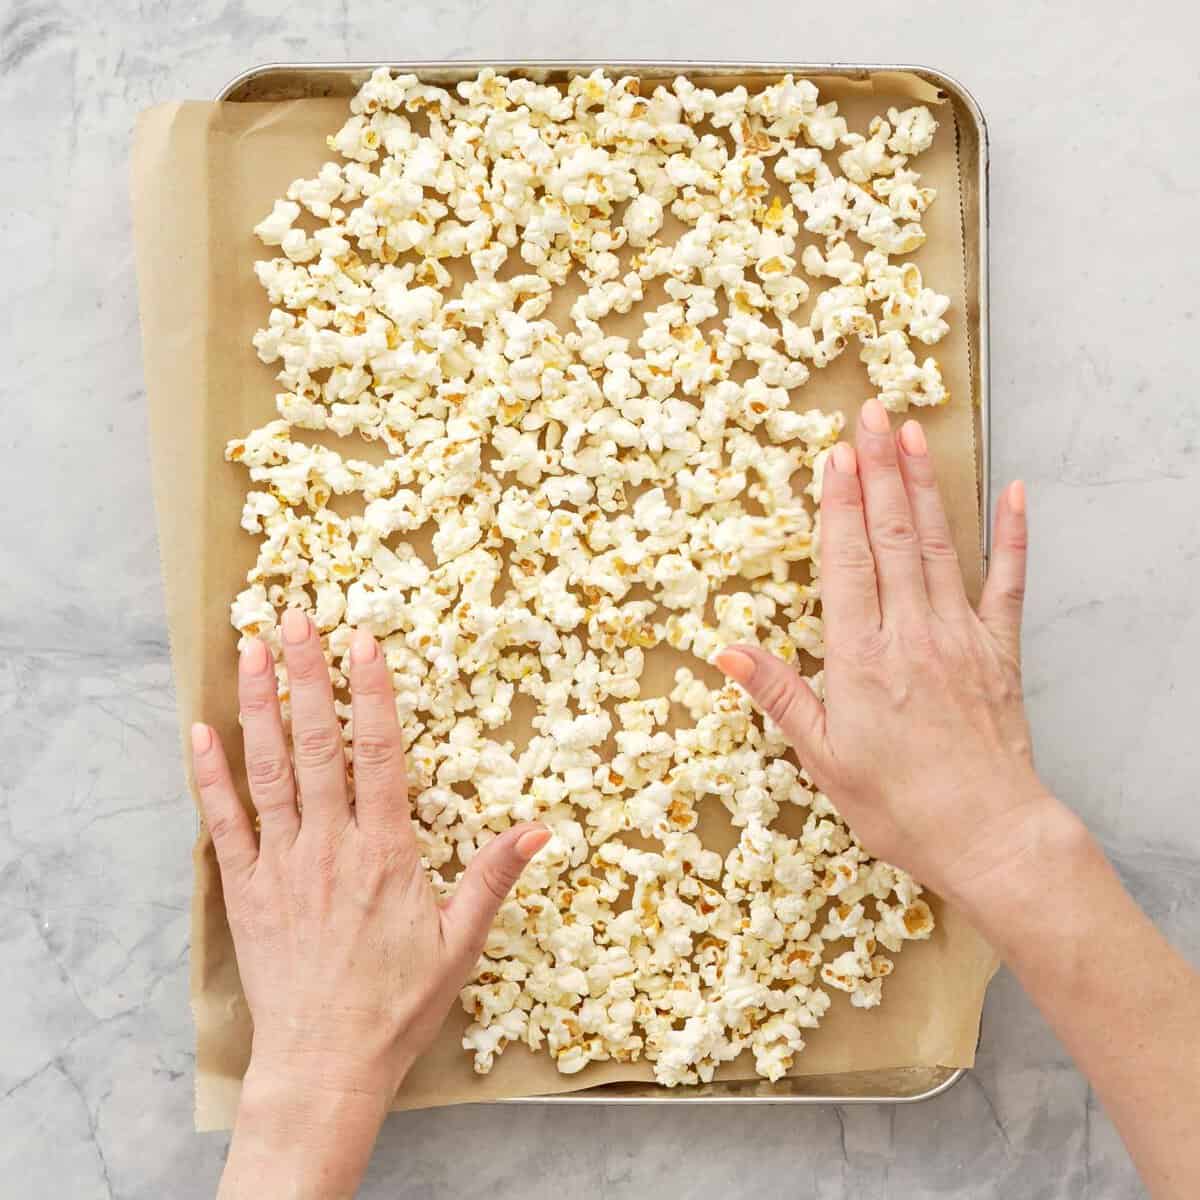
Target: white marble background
pixel 1095 172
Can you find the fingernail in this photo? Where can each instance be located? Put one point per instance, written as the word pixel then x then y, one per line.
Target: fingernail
pixel 1016 497
pixel 845 461
pixel 295 626
pixel 202 738
pixel 530 842
pixel 255 657
pixel 874 416
pixel 912 438
pixel 738 666
pixel 363 647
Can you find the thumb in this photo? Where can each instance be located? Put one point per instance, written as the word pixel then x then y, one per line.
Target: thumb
pixel 782 693
pixel 485 884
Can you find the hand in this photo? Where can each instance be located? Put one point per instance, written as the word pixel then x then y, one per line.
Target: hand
pixel 923 746
pixel 922 743
pixel 348 961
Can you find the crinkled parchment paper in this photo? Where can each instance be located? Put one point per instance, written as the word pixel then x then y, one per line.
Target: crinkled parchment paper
pixel 203 175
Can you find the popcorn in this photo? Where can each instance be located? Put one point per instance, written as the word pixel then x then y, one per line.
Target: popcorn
pixel 868 157
pixel 643 219
pixel 547 501
pixel 272 229
pixel 320 194
pixel 893 369
pixel 823 127
pixel 913 130
pixel 907 304
pixel 679 583
pixel 839 264
pixel 903 195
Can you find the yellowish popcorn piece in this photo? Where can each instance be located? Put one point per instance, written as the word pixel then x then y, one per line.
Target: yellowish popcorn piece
pixel 544 501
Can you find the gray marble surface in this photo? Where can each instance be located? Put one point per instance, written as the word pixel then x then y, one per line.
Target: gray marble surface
pixel 1096 173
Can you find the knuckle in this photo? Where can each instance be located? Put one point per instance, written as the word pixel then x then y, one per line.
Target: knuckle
pixel 497 880
pixel 388 859
pixel 936 547
pixel 1004 685
pixel 317 747
pixel 920 473
pixel 258 701
pixel 308 668
pixel 375 752
pixel 1014 592
pixel 1011 589
pixel 371 684
pixel 869 648
pixel 787 711
pixel 321 861
pixel 894 532
pixel 878 452
pixel 221 827
pixel 325 862
pixel 208 773
pixel 922 644
pixel 958 636
pixel 266 771
pixel 850 556
pixel 1017 539
pixel 840 493
pixel 779 697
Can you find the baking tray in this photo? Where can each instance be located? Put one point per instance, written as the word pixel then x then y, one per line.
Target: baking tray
pixel 297 81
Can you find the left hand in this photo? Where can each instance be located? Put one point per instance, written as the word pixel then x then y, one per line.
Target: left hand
pixel 348 961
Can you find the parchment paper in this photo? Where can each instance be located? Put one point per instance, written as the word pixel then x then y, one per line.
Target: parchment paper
pixel 203 174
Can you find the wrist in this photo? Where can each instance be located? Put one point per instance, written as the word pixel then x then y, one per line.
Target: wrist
pixel 272 1090
pixel 1040 840
pixel 301 1136
pixel 346 1065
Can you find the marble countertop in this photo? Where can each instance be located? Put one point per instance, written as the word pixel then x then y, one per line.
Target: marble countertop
pixel 1094 319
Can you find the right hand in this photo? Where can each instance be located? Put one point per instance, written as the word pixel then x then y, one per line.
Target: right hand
pixel 922 743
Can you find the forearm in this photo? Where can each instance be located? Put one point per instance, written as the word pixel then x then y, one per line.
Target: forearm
pixel 1123 1002
pixel 299 1142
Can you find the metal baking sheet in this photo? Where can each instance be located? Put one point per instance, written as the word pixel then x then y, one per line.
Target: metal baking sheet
pixel 295 81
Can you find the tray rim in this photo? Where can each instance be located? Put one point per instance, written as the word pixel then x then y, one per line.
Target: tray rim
pixel 970 105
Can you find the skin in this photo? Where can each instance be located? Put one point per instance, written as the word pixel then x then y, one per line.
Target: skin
pixel 924 748
pixel 350 965
pixel 348 961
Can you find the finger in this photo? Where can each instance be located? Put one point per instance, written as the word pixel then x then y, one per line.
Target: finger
pixel 890 528
pixel 485 884
pixel 1003 597
pixel 380 780
pixel 316 734
pixel 783 694
pixel 268 764
pixel 849 593
pixel 939 559
pixel 227 821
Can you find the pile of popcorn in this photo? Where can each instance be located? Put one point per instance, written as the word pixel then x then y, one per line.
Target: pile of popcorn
pixel 593 497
